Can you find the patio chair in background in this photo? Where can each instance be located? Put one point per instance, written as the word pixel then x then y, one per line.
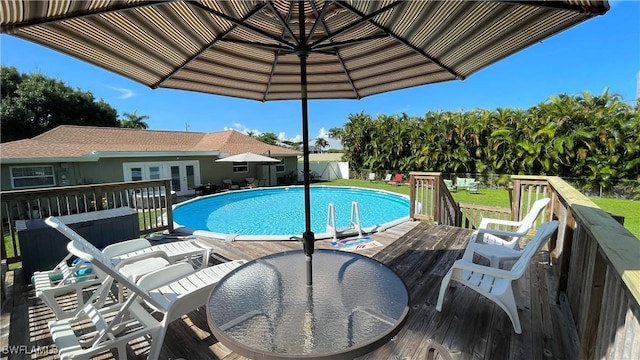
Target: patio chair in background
pixel 487 233
pixel 473 187
pixel 494 283
pixel 372 176
pixel 227 184
pixel 250 183
pixel 387 178
pixel 397 180
pixel 450 185
pixel 173 291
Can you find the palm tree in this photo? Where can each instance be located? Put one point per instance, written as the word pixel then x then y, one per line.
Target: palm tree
pixel 321 143
pixel 134 121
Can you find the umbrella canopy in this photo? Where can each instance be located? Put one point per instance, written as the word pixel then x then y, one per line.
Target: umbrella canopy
pixel 282 49
pixel 249 49
pixel 248 157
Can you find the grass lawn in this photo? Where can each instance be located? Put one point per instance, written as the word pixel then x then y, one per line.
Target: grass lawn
pixel 628 208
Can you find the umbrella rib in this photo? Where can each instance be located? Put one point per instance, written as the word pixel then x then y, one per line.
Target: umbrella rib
pixel 244 25
pixel 276 55
pixel 205 48
pixel 404 42
pixel 284 23
pixel 9 28
pixel 362 19
pixel 583 9
pixel 337 51
pixel 319 17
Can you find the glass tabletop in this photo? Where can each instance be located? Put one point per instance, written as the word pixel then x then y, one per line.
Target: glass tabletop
pixel 265 310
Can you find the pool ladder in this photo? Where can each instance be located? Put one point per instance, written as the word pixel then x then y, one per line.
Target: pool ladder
pixel 354 223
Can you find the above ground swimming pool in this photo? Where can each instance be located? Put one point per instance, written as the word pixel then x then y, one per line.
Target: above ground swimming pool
pixel 278 213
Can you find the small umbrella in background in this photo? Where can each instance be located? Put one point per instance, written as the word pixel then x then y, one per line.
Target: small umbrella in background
pixel 248 157
pixel 282 49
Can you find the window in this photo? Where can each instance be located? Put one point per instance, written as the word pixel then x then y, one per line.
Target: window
pixel 136 174
pixel 32 176
pixel 154 172
pixel 279 168
pixel 240 167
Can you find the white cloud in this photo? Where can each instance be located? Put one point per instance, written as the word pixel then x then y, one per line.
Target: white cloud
pixel 243 129
pixel 124 93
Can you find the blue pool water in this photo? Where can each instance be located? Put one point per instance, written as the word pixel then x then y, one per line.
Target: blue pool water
pixel 280 211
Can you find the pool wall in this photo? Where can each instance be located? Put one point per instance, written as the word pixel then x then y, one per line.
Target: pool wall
pixel 280 237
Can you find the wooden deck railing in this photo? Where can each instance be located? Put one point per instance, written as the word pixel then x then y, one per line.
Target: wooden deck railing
pixel 596 261
pixel 152 199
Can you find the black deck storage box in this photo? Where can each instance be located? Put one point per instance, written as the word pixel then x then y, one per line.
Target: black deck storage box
pixel 43 247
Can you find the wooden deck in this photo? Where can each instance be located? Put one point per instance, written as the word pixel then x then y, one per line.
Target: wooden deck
pixel 470 325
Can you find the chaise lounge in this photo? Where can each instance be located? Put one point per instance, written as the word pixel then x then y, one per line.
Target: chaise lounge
pixel 173 291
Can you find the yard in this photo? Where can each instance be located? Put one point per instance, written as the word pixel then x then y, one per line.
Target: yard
pixel 495 197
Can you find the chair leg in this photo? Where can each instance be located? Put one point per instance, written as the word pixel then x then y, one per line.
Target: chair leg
pixel 508 304
pixel 443 289
pixel 157 341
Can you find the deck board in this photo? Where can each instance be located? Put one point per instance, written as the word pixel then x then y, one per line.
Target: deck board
pixel 470 325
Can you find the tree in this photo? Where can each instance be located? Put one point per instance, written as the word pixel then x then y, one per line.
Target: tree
pixel 321 143
pixel 268 138
pixel 31 104
pixel 134 121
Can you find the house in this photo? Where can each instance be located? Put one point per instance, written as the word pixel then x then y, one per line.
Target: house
pixel 76 155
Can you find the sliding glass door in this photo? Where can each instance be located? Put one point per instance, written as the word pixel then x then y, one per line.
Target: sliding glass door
pixel 184 175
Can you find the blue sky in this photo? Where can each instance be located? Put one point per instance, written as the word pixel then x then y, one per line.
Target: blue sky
pixel 600 53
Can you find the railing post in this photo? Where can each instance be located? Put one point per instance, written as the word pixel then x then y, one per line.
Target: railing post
pixel 515 198
pixel 169 202
pixel 412 196
pixel 436 198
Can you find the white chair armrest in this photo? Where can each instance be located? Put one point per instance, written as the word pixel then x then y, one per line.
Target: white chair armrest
pixel 124 247
pixel 487 270
pixel 497 232
pixel 485 222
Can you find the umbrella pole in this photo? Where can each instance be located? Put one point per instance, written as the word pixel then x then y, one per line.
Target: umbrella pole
pixel 307 237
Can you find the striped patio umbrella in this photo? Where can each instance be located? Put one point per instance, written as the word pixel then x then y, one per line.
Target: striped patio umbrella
pixel 281 49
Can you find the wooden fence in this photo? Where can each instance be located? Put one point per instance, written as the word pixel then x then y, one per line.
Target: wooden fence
pixel 595 260
pixel 152 199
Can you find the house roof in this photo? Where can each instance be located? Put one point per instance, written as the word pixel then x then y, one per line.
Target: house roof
pixel 89 143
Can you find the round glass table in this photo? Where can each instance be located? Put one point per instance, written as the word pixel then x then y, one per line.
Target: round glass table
pixel 265 310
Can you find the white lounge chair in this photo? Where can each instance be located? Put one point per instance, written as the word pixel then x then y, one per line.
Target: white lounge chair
pixel 141 257
pixel 492 282
pixel 372 176
pixel 486 232
pixel 188 250
pixel 173 291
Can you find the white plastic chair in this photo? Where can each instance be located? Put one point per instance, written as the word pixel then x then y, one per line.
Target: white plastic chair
pixel 372 176
pixel 487 234
pixel 174 290
pixel 495 283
